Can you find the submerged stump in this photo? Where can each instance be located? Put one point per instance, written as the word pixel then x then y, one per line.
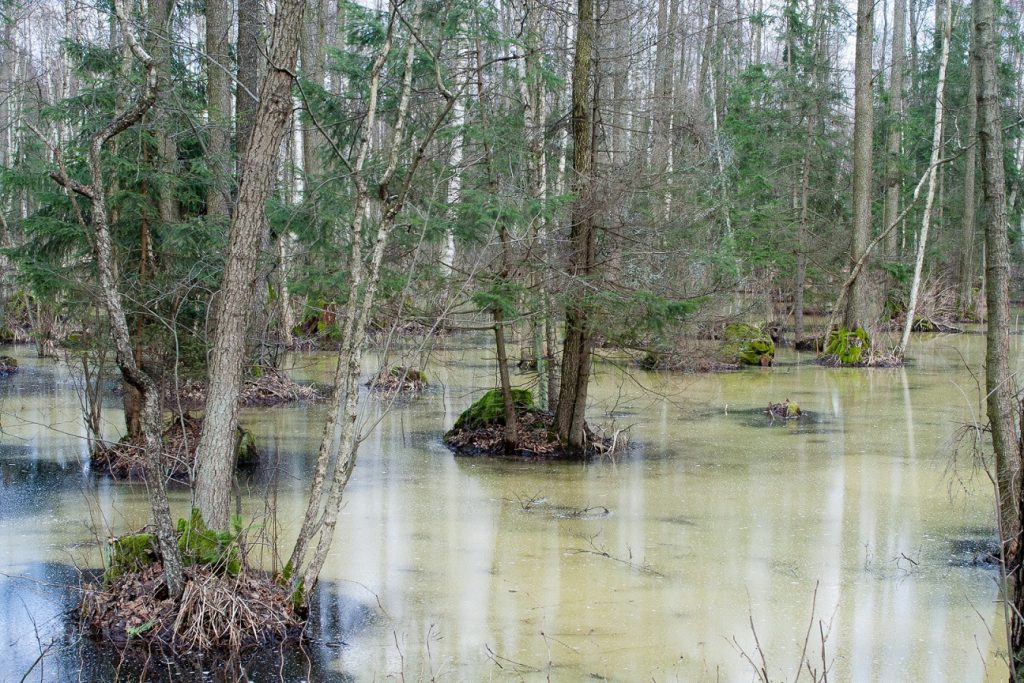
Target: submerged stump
pixel 787 410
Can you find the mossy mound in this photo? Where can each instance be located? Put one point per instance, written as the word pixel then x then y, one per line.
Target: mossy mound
pixel 480 430
pixel 747 345
pixel 225 607
pixel 199 545
pixel 489 409
pixel 691 360
pixel 847 347
pixel 129 555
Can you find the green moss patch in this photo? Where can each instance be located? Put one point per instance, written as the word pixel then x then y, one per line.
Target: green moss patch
pixel 129 555
pixel 208 547
pixel 489 409
pixel 847 347
pixel 747 345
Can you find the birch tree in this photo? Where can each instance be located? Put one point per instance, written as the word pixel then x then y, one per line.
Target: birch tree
pixel 933 168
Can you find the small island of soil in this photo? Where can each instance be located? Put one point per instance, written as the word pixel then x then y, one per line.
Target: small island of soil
pixel 226 607
pixel 480 430
pixel 398 379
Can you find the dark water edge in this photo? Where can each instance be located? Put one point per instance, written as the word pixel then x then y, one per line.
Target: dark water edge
pixel 41 641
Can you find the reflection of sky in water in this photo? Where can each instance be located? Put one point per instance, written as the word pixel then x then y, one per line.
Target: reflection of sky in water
pixel 714 517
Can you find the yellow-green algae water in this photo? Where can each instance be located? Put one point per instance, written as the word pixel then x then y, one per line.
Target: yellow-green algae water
pixel 648 567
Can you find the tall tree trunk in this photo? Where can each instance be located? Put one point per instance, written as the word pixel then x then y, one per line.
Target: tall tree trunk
pixel 856 314
pixel 250 50
pixel 215 455
pixel 965 271
pixel 313 35
pixel 894 139
pixel 998 380
pixel 572 401
pixel 218 94
pixel 158 45
pixel 922 243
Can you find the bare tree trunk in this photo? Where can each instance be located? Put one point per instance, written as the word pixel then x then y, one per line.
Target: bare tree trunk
pixel 218 94
pixel 894 140
pixel 570 412
pixel 940 91
pixel 999 390
pixel 313 36
pixel 284 299
pixel 965 299
pixel 215 455
pixel 159 46
pixel 801 256
pixel 250 50
pixel 857 302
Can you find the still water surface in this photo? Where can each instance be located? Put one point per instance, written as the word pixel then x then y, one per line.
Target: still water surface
pixel 651 567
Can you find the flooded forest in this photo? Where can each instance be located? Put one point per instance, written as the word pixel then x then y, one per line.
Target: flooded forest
pixel 509 340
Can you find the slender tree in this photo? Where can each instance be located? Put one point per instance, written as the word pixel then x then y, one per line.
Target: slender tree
pixel 218 97
pixel 933 168
pixel 216 453
pixel 99 218
pixel 894 137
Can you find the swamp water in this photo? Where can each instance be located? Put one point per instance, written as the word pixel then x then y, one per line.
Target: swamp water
pixel 648 568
